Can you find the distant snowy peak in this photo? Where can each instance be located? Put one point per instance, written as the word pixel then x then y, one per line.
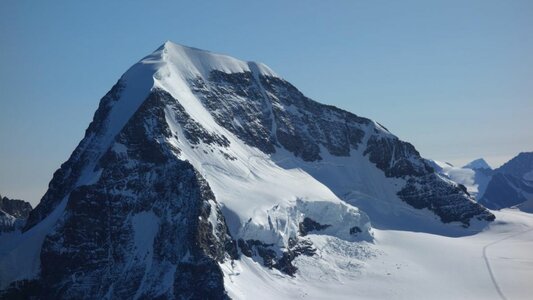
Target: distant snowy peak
pixel 479 163
pixel 474 175
pixel 474 179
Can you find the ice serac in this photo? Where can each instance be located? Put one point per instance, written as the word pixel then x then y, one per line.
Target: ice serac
pixel 194 160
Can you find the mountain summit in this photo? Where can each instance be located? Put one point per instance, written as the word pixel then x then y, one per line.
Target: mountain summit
pixel 197 163
pixel 479 163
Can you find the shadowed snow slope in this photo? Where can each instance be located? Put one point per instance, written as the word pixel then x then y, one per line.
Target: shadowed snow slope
pixel 512 185
pixel 201 171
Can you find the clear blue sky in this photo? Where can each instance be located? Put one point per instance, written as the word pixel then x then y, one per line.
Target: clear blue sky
pixel 455 78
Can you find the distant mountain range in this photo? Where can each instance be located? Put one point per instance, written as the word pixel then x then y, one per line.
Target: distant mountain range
pixel 510 185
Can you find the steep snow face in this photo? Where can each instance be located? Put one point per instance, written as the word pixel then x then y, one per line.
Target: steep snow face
pixel 207 158
pixel 193 63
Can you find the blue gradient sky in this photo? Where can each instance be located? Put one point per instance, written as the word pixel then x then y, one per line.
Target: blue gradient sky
pixel 455 78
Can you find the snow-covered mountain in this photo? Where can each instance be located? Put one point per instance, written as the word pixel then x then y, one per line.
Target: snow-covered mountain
pixel 477 164
pixel 199 172
pixel 511 184
pixel 13 214
pixel 474 176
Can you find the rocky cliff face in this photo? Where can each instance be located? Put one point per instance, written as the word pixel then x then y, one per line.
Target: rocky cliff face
pixel 194 159
pixel 13 213
pixel 277 115
pixel 474 176
pixel 148 227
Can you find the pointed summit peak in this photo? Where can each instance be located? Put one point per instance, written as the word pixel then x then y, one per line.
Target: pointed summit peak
pixel 194 62
pixel 168 44
pixel 479 163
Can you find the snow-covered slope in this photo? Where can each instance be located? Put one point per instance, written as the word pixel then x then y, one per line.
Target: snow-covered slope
pixel 200 170
pixel 493 264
